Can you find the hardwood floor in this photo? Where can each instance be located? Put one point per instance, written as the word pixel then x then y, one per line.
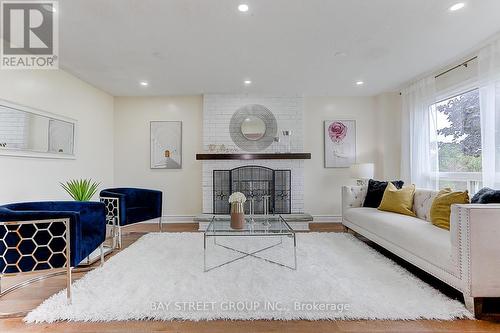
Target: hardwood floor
pixel 30 297
pixel 259 326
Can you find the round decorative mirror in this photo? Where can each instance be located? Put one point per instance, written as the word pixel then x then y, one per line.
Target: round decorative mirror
pixel 253 128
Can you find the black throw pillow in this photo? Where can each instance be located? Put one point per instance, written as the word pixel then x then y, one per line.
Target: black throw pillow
pixel 486 195
pixel 375 192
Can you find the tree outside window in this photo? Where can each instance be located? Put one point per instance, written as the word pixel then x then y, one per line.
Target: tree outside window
pixel 459 136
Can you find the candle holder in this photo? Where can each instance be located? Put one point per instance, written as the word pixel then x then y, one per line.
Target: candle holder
pixel 276 141
pixel 252 210
pixel 266 198
pixel 287 140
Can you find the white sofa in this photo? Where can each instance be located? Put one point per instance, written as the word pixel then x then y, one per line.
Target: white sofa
pixel 467 257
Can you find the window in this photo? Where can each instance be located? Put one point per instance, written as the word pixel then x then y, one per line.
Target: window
pixel 459 141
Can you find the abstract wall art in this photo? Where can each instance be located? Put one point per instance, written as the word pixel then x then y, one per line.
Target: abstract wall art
pixel 166 144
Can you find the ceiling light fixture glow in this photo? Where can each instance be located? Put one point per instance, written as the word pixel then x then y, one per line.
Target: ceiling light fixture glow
pixel 247 82
pixel 243 7
pixel 144 83
pixel 359 83
pixel 457 6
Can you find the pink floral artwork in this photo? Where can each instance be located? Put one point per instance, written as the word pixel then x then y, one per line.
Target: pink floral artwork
pixel 340 143
pixel 337 131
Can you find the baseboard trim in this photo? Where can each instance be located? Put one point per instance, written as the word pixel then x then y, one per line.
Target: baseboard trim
pixel 172 219
pixel 178 218
pixel 327 219
pixel 190 219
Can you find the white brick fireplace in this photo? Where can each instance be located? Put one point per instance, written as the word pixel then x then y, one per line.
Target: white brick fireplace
pixel 217 113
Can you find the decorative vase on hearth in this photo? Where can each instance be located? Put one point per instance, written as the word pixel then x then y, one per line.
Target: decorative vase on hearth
pixel 237 215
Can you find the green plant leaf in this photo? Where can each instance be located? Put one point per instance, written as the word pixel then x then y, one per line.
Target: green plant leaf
pixel 81 189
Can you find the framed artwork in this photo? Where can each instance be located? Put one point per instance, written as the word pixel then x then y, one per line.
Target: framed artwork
pixel 166 144
pixel 340 143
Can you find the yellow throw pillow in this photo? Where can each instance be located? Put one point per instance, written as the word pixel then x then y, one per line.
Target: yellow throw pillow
pixel 398 200
pixel 441 206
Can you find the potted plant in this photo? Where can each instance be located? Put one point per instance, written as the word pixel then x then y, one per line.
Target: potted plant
pixel 81 189
pixel 237 199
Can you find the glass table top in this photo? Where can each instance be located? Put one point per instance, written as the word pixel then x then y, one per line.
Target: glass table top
pixel 259 225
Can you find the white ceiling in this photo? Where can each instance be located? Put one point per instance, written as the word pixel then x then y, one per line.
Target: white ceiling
pixel 284 46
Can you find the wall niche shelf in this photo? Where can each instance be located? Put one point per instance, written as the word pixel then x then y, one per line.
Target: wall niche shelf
pixel 254 156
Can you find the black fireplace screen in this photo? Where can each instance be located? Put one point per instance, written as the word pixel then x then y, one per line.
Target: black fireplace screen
pixel 254 182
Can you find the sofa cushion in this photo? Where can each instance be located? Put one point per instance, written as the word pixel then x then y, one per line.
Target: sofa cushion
pixel 375 192
pixel 486 195
pixel 416 236
pixel 441 206
pixel 398 200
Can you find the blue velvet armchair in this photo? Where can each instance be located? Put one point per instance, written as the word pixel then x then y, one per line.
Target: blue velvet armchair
pixel 131 205
pixel 34 235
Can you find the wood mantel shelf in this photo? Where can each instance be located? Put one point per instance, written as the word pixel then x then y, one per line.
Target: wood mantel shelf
pixel 254 156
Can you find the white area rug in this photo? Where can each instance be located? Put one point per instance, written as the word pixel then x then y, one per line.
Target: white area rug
pixel 161 277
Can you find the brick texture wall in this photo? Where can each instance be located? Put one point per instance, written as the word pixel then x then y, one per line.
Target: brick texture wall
pixel 217 113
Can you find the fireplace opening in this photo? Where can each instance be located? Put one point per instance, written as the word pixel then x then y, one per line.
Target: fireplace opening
pixel 254 182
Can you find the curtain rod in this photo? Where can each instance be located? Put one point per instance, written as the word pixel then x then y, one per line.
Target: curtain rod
pixel 465 63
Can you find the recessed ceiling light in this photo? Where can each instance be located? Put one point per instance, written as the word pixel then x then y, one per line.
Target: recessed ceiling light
pixel 247 82
pixel 243 7
pixel 359 83
pixel 144 83
pixel 457 6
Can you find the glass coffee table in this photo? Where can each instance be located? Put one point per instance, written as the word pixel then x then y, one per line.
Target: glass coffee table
pixel 267 238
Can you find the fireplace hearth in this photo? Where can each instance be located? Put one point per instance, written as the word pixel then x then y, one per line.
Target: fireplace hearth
pixel 255 182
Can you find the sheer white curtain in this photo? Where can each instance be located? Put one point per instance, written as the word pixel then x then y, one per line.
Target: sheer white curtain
pixel 419 162
pixel 489 94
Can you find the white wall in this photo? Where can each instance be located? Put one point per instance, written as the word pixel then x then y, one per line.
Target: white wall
pixel 377 141
pixel 323 185
pixel 113 142
pixel 25 179
pixel 388 131
pixel 378 136
pixel 181 188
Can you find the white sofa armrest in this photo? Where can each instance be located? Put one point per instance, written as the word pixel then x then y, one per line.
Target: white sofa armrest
pixel 475 236
pixel 353 196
